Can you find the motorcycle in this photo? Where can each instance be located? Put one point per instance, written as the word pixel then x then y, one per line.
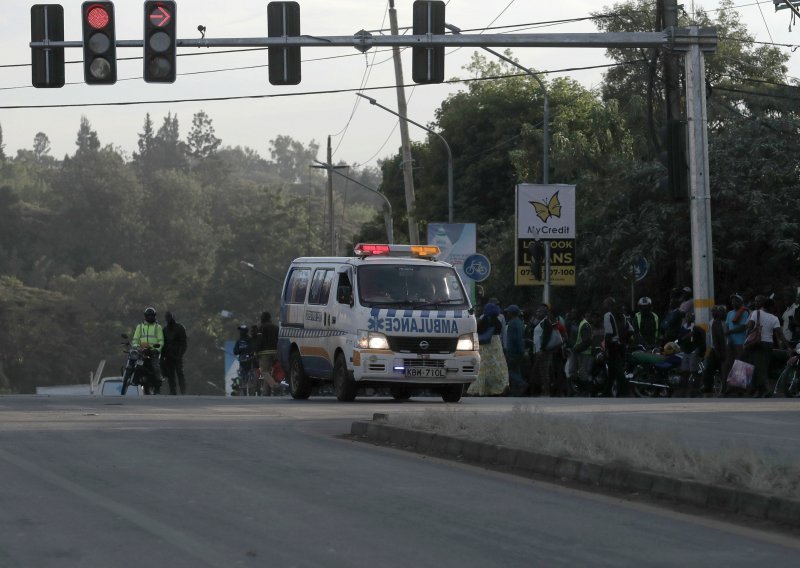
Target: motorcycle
pixel 788 383
pixel 593 384
pixel 654 374
pixel 139 369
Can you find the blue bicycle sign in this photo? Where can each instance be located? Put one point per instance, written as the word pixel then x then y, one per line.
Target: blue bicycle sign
pixel 477 267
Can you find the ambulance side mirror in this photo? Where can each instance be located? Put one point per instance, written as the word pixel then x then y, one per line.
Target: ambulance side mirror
pixel 345 295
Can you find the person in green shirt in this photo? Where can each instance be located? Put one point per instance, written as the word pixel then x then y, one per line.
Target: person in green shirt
pixel 150 335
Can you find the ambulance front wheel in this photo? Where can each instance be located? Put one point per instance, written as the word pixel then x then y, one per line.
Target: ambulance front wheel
pixel 299 383
pixel 343 382
pixel 452 393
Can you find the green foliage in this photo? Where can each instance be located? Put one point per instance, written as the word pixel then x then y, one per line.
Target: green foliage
pixel 89 241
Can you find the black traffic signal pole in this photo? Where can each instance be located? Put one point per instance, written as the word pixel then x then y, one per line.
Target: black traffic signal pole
pixel 676 38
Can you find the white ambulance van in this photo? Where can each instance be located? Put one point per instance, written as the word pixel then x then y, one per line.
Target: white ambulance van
pixel 390 316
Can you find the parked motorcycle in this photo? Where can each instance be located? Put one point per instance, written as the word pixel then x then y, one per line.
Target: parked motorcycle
pixel 654 374
pixel 788 383
pixel 139 369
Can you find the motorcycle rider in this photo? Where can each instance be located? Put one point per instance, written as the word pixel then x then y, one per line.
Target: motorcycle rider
pixel 243 349
pixel 645 323
pixel 149 335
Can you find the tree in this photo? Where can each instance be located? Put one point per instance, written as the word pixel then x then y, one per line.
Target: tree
pixel 145 143
pixel 87 141
pixel 201 142
pixel 41 146
pixel 168 150
pixel 2 147
pixel 292 159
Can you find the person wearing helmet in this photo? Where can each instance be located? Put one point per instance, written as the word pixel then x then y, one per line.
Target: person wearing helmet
pixel 645 324
pixel 150 335
pixel 243 349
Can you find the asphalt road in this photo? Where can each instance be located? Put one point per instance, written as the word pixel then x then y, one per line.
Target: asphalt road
pixel 194 482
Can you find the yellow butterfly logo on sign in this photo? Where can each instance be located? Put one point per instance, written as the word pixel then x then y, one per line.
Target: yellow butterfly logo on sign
pixel 551 209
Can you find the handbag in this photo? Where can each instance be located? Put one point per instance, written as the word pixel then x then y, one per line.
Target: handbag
pixel 740 375
pixel 754 337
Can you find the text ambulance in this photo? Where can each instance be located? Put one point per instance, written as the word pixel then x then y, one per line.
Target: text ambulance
pixel 390 316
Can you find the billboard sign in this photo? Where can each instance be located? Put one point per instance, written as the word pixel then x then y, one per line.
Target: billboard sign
pixel 546 212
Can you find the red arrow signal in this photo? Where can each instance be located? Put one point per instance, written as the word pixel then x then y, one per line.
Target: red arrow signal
pixel 160 17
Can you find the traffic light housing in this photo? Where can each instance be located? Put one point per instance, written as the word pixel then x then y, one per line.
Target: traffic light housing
pixel 283 20
pixel 47 23
pixel 676 182
pixel 427 63
pixel 160 41
pixel 99 43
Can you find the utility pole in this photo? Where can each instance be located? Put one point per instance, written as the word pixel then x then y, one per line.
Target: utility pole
pixel 671 77
pixel 408 164
pixel 699 184
pixel 330 167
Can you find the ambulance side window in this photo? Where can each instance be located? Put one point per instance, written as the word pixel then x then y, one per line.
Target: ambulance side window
pixel 344 290
pixel 297 286
pixel 320 287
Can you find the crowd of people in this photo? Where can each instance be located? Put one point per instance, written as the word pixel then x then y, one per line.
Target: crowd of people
pixel 545 352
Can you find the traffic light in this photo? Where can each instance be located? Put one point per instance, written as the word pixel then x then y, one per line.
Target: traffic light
pixel 536 254
pixel 674 159
pixel 47 23
pixel 160 41
pixel 427 63
pixel 99 43
pixel 283 20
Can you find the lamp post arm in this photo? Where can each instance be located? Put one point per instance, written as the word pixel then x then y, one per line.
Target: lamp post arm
pixel 546 118
pixel 390 231
pixel 446 145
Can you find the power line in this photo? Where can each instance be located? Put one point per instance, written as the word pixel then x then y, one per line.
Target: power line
pixel 308 93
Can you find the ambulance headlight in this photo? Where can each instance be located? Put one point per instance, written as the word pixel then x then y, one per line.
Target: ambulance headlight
pixel 467 342
pixel 372 340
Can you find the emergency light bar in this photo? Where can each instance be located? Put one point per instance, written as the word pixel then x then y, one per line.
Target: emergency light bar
pixel 421 251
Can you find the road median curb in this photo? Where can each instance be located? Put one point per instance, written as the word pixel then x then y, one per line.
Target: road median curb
pixel 612 476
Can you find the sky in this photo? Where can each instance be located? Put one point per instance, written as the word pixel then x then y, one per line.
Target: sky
pixel 360 133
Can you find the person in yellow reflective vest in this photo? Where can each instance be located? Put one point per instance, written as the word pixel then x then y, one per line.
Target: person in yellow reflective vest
pixel 149 334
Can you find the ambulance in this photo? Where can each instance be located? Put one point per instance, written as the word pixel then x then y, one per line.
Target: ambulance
pixel 392 315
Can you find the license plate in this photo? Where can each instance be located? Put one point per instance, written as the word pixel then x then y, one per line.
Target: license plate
pixel 426 373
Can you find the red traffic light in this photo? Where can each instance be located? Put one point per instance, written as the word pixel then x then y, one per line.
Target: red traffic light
pixel 97 17
pixel 99 43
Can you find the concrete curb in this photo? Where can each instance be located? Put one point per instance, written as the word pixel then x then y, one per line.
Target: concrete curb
pixel 612 476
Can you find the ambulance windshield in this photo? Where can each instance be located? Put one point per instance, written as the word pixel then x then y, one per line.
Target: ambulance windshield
pixel 410 286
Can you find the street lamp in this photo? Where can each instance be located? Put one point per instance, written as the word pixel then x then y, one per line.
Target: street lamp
pixel 545 151
pixel 446 145
pixel 546 119
pixel 252 267
pixel 389 220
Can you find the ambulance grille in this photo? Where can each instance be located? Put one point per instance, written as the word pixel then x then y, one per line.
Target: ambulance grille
pixel 423 363
pixel 413 344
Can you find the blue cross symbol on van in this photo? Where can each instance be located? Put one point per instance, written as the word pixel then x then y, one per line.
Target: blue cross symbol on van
pixel 375 324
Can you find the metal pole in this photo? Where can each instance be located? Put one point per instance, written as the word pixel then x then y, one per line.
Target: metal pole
pixel 699 184
pixel 678 38
pixel 408 164
pixel 331 236
pixel 446 145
